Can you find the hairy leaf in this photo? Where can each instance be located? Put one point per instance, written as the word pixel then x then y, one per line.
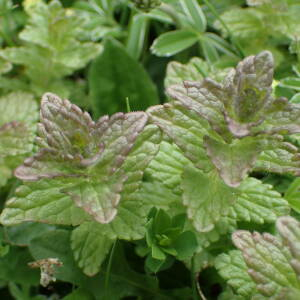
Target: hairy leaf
pixel 258 203
pixel 232 166
pixel 185 128
pixel 289 229
pixel 267 260
pixel 233 269
pixel 43 201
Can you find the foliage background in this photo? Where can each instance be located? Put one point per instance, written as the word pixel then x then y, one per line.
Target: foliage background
pixel 118 55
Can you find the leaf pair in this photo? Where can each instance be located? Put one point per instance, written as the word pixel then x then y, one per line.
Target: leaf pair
pixel 88 155
pixel 232 123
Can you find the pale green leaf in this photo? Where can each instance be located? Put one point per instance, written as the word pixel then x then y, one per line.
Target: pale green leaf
pixel 185 128
pixel 289 229
pixel 233 269
pixel 170 43
pixel 231 165
pixel 206 196
pixel 90 247
pixel 243 23
pixel 258 203
pixel 43 201
pixel 195 14
pixel 195 70
pixel 268 262
pixel 167 166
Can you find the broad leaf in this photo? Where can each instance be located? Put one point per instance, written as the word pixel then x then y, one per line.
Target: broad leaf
pixel 206 196
pixel 258 203
pixel 43 201
pixel 73 146
pixel 186 130
pixel 232 166
pixel 90 247
pixel 268 262
pixel 233 269
pixel 51 47
pixel 115 76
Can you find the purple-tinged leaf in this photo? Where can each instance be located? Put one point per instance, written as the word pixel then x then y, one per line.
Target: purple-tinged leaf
pixel 233 161
pixel 185 128
pixel 268 262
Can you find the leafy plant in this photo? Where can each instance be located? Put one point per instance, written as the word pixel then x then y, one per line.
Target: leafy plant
pixel 50 49
pixel 267 266
pixel 149 200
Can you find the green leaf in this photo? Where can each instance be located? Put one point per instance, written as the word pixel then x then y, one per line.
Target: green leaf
pixel 166 167
pixel 51 47
pixel 170 43
pixel 73 146
pixel 185 128
pixel 43 201
pixel 195 14
pixel 291 83
pixel 289 229
pixel 233 269
pixel 185 245
pixel 17 259
pixel 258 203
pixel 90 247
pixel 137 35
pixel 268 262
pixel 195 70
pixel 79 294
pixel 204 98
pixel 282 159
pixel 17 126
pixel 243 23
pixel 114 76
pixel 20 107
pixel 206 196
pixel 22 234
pixel 231 165
pixel 292 195
pixel 129 223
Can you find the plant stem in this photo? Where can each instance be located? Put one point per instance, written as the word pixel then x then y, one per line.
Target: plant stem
pixel 233 40
pixel 170 11
pixel 108 270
